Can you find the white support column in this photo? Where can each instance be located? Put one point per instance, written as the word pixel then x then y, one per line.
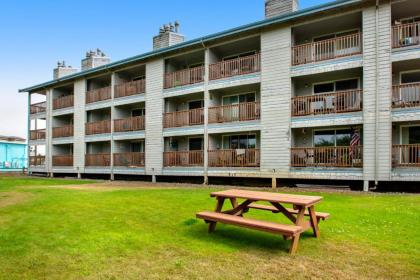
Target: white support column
pixel 79 145
pixel 48 131
pixel 206 114
pixel 29 132
pixel 113 83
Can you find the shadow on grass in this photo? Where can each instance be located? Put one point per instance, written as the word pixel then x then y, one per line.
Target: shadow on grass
pixel 240 238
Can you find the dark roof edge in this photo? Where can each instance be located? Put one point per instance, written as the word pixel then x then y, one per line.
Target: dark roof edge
pixel 200 40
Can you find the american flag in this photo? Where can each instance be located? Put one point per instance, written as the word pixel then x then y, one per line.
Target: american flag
pixel 354 142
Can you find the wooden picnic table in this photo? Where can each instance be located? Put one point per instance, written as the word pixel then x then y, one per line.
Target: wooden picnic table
pixel 302 205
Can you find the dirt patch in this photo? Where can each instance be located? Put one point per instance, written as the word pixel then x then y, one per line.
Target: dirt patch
pixel 13 198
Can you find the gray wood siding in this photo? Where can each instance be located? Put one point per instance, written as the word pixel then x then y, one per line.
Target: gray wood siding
pixel 154 111
pixel 275 100
pixel 79 125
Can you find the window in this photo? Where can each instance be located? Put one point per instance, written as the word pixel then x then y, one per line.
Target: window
pixel 196 104
pixel 412 77
pixel 137 147
pixel 239 55
pixel 195 144
pixel 138 112
pixel 139 78
pixel 240 142
pixel 329 138
pixel 240 98
pixel 414 135
pixel 334 86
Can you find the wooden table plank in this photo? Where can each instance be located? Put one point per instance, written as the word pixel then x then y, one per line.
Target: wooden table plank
pixel 301 200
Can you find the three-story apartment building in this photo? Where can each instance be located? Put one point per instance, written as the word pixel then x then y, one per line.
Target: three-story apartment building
pixel 330 92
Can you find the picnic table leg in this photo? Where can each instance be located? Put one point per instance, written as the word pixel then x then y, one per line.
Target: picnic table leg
pixel 314 221
pixel 299 222
pixel 219 206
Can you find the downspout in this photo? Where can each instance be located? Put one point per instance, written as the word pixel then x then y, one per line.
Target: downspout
pixel 376 90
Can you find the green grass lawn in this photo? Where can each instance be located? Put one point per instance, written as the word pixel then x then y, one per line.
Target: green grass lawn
pixel 108 231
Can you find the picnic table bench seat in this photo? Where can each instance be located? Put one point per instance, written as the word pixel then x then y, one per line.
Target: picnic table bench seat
pixel 320 215
pixel 271 227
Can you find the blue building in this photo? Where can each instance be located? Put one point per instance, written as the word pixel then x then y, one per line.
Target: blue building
pixel 13 154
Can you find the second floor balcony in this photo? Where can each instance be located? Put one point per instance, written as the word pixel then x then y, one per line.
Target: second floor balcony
pixel 98 127
pixel 337 47
pixel 183 118
pixel 244 111
pixel 327 103
pixel 62 131
pixel 99 94
pixel 63 102
pixel 129 124
pixel 184 77
pixel 183 158
pixel 335 156
pixel 40 107
pixel 235 67
pixel 407 155
pixel 38 134
pixel 130 88
pixel 406 95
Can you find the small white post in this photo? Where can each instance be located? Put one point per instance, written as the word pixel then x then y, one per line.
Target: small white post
pixel 365 186
pixel 274 183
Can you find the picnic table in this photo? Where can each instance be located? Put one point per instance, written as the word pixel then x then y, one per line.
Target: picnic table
pixel 302 206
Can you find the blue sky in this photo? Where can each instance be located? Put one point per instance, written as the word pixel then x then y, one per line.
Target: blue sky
pixel 35 34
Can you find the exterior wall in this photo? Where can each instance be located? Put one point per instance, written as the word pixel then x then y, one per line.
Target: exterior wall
pixel 275 101
pixel 154 125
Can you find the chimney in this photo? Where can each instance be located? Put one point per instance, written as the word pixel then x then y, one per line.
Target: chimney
pixel 168 35
pixel 275 8
pixel 94 59
pixel 62 70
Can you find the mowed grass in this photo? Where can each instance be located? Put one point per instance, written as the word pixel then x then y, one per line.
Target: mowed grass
pixel 109 231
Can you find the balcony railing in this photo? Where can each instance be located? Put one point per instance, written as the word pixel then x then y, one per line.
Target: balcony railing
pixel 184 77
pixel 327 156
pixel 406 155
pixel 328 103
pixel 236 112
pixel 38 107
pixel 98 159
pixel 63 102
pixel 235 67
pixel 129 159
pixel 130 88
pixel 234 158
pixel 327 49
pixel 37 134
pixel 406 95
pixel 129 124
pixel 405 35
pixel 98 94
pixel 99 127
pixel 62 160
pixel 63 131
pixel 183 158
pixel 183 118
pixel 36 160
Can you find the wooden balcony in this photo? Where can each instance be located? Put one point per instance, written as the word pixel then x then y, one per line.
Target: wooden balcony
pixel 62 160
pixel 37 134
pixel 63 102
pixel 183 158
pixel 235 67
pixel 183 118
pixel 99 127
pixel 406 155
pixel 129 124
pixel 234 158
pixel 327 156
pixel 405 35
pixel 233 113
pixel 129 159
pixel 38 107
pixel 328 103
pixel 184 77
pixel 130 88
pixel 63 131
pixel 36 160
pixel 98 94
pixel 406 95
pixel 98 160
pixel 327 49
